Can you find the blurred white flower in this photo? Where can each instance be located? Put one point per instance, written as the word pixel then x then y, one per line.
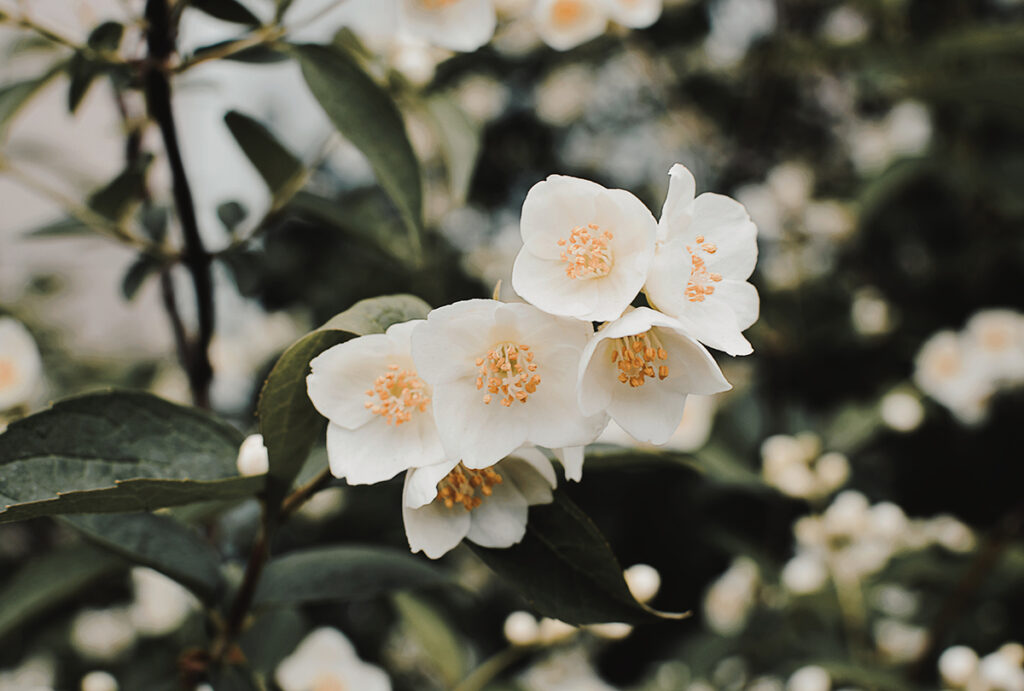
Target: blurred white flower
pixel 828 218
pixel 562 96
pixel 503 375
pixel 161 605
pixel 636 14
pixel 568 670
pixel 805 573
pixel 948 369
pixel 791 183
pixel 98 681
pixel 102 634
pixel 521 628
pixel 950 533
pixel 905 131
pixel 793 466
pixel 901 411
pixel 691 434
pixel 553 631
pixel 996 336
pixel 565 24
pixel 36 673
pixel 765 684
pixel 711 240
pixel 21 367
pixel 845 25
pixel 483 98
pixel 462 25
pixel 640 368
pixel 444 503
pixel 729 600
pixel 586 249
pixel 643 581
pixel 735 24
pixel 898 641
pixel 611 630
pixel 252 456
pixel 323 504
pixel 870 313
pixel 895 600
pixel 958 665
pixel 381 422
pixel 326 660
pixel 999 671
pixel 809 678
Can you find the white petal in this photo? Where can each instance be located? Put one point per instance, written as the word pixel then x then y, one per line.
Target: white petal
pixel 742 299
pixel 555 419
pixel 723 221
pixel 594 391
pixel 565 24
pixel 434 529
pixel 666 281
pixel 532 473
pixel 553 207
pixel 463 25
pixel 636 14
pixel 691 367
pixel 714 324
pixel 24 367
pixel 543 282
pixel 649 413
pixel 375 452
pixel 480 434
pixel 421 483
pixel 342 374
pixel 675 214
pixel 500 519
pixel 572 462
pixel 453 337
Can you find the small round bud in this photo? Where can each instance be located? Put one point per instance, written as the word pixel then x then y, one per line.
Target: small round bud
pixel 252 456
pixel 521 628
pixel 643 581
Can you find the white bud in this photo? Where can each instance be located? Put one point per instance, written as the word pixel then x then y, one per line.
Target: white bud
pixel 643 581
pixel 957 665
pixel 521 628
pixel 848 514
pixel 252 456
pixel 99 681
pixel 611 630
pixel 1001 673
pixel 809 678
pixel 161 605
pixel 901 411
pixel 102 634
pixel 1014 652
pixel 804 574
pixel 21 368
pixel 554 630
pixel 832 469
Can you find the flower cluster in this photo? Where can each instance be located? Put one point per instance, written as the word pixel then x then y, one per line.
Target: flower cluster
pixel 796 466
pixel 961 668
pixel 962 371
pixel 460 401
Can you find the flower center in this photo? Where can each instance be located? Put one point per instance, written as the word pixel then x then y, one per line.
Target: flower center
pixel 565 13
pixel 434 5
pixel 508 371
pixel 7 373
pixel 586 252
pixel 699 286
pixel 462 484
pixel 328 682
pixel 995 339
pixel 396 395
pixel 637 356
pixel 947 365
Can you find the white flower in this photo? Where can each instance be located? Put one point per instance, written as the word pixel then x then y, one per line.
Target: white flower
pixel 34 674
pixel 21 368
pixel 958 665
pixel 636 14
pixel 997 337
pixel 326 660
pixel 730 599
pixel 948 369
pixel 521 628
pixel 565 24
pixel 444 503
pixel 252 456
pixel 640 369
pixel 901 411
pixel 503 375
pixel 461 25
pixel 805 573
pixel 381 421
pixel 643 581
pixel 898 641
pixel 809 678
pixel 102 634
pixel 99 680
pixel 586 249
pixel 707 248
pixel 691 434
pixel 161 605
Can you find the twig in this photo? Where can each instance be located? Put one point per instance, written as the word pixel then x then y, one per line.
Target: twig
pixel 160 40
pixel 294 501
pixel 492 667
pixel 259 37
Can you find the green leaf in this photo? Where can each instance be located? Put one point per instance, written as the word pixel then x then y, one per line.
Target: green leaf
pixel 94 441
pixel 341 574
pixel 83 70
pixel 565 568
pixel 159 542
pixel 106 37
pixel 246 267
pixel 362 216
pixel 460 142
pixel 117 198
pixel 137 273
pixel 367 116
pixel 153 220
pixel 59 229
pixel 49 580
pixel 273 636
pixel 14 96
pixel 288 421
pixel 226 10
pixel 441 647
pixel 278 167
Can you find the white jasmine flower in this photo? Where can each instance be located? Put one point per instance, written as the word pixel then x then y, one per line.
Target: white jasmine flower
pixel 948 369
pixel 21 368
pixel 643 581
pixel 958 665
pixel 691 434
pixel 503 375
pixel 460 25
pixel 640 369
pixel 730 599
pixel 102 634
pixel 792 183
pixel 997 336
pixel 34 674
pixel 809 678
pixel 381 421
pixel 805 573
pixel 898 641
pixel 950 533
pixel 161 605
pixel 252 456
pixel 99 680
pixel 636 14
pixel 710 240
pixel 901 411
pixel 325 660
pixel 446 502
pixel 521 628
pixel 586 249
pixel 565 24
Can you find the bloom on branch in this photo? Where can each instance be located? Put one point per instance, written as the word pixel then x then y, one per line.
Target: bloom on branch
pixel 381 421
pixel 21 367
pixel 640 368
pixel 587 249
pixel 444 503
pixel 503 375
pixel 461 25
pixel 707 248
pixel 326 660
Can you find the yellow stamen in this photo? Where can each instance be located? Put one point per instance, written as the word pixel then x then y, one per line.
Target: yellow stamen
pixel 507 370
pixel 636 357
pixel 328 682
pixel 462 484
pixel 434 5
pixel 565 13
pixel 586 252
pixel 396 395
pixel 698 286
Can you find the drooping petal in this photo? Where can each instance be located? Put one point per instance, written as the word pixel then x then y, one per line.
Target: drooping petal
pixel 649 413
pixel 421 483
pixel 743 299
pixel 691 367
pixel 376 451
pixel 434 529
pixel 681 190
pixel 460 25
pixel 500 519
pixel 478 433
pixel 572 462
pixel 715 325
pixel 532 473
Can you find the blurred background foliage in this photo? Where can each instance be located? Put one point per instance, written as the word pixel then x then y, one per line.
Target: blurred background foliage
pixel 877 145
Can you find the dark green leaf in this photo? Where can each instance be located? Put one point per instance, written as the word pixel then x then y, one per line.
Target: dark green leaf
pixel 48 580
pixel 94 441
pixel 246 267
pixel 365 114
pixel 364 218
pixel 234 678
pixel 153 220
pixel 341 574
pixel 81 72
pixel 137 273
pixel 273 636
pixel 226 10
pixel 115 199
pixel 14 96
pixel 278 167
pixel 565 568
pixel 106 37
pixel 288 422
pixel 62 228
pixel 441 647
pixel 159 542
pixel 231 214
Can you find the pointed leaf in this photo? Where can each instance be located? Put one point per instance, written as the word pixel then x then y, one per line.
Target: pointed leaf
pixel 460 142
pixel 440 645
pixel 288 421
pixel 367 116
pixel 137 273
pixel 278 167
pixel 62 228
pixel 115 199
pixel 14 96
pixel 341 574
pixel 227 11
